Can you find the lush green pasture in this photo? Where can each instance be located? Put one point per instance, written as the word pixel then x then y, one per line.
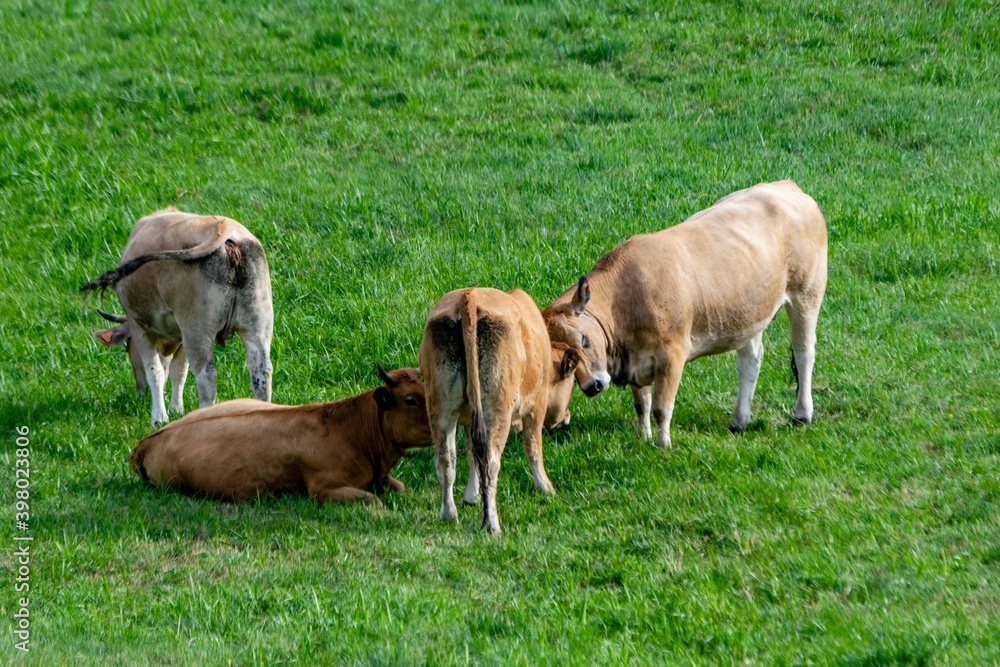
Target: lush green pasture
pixel 386 152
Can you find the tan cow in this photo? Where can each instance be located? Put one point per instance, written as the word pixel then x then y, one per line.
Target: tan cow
pixel 188 282
pixel 487 362
pixel 708 285
pixel 339 451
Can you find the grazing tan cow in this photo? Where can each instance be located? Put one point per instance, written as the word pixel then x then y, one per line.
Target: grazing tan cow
pixel 708 285
pixel 188 282
pixel 339 451
pixel 487 363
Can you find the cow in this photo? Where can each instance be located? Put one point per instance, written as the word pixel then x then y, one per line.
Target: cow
pixel 488 363
pixel 334 452
pixel 706 286
pixel 187 282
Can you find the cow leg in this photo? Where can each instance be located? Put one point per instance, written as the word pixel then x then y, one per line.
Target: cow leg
pixel 328 487
pixel 201 354
pixel 471 496
pixel 152 364
pixel 642 399
pixel 341 494
pixel 531 434
pixel 444 440
pixel 748 360
pixel 489 472
pixel 178 376
pixel 393 484
pixel 666 380
pixel 803 325
pixel 258 348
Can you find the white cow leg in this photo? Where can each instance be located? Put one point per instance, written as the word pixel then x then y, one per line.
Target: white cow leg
pixel 471 496
pixel 201 356
pixel 748 361
pixel 665 384
pixel 259 364
pixel 157 380
pixel 491 518
pixel 178 376
pixel 445 441
pixel 531 436
pixel 642 399
pixel 156 376
pixel 803 325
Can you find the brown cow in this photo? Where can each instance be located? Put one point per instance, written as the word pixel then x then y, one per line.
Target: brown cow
pixel 708 285
pixel 487 362
pixel 188 282
pixel 339 451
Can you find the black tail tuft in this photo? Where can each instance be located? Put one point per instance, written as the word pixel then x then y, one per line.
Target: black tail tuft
pixel 111 278
pixel 795 370
pixel 104 282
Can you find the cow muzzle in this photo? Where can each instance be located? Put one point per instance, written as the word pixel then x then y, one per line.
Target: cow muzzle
pixel 598 383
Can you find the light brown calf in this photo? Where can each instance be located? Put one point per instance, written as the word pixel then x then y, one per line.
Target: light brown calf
pixel 339 451
pixel 188 282
pixel 708 285
pixel 487 363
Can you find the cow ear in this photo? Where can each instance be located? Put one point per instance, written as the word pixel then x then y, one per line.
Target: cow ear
pixel 112 337
pixel 383 398
pixel 570 360
pixel 581 297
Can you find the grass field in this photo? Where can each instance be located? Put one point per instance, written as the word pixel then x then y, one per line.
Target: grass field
pixel 386 152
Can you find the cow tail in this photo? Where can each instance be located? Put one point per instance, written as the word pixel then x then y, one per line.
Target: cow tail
pixel 795 370
pixel 136 460
pixel 202 250
pixel 480 438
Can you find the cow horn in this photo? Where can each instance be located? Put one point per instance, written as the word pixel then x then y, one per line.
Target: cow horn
pixel 386 378
pixel 120 319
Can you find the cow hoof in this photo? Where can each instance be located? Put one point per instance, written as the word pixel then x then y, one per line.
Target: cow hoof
pixel 737 428
pixel 470 503
pixel 799 421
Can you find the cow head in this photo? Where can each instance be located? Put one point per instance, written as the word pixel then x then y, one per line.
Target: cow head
pixel 402 408
pixel 564 362
pixel 569 323
pixel 121 335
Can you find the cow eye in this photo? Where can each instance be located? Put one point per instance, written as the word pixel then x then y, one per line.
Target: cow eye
pixel 585 340
pixel 410 401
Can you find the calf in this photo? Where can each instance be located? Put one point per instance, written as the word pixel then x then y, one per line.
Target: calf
pixel 187 282
pixel 708 285
pixel 339 451
pixel 487 362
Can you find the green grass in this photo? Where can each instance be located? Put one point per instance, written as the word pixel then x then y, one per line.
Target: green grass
pixel 386 152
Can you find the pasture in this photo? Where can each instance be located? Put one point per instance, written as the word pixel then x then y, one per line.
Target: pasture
pixel 386 152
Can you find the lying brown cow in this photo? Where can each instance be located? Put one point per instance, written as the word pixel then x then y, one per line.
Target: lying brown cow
pixel 487 362
pixel 187 282
pixel 339 451
pixel 708 285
